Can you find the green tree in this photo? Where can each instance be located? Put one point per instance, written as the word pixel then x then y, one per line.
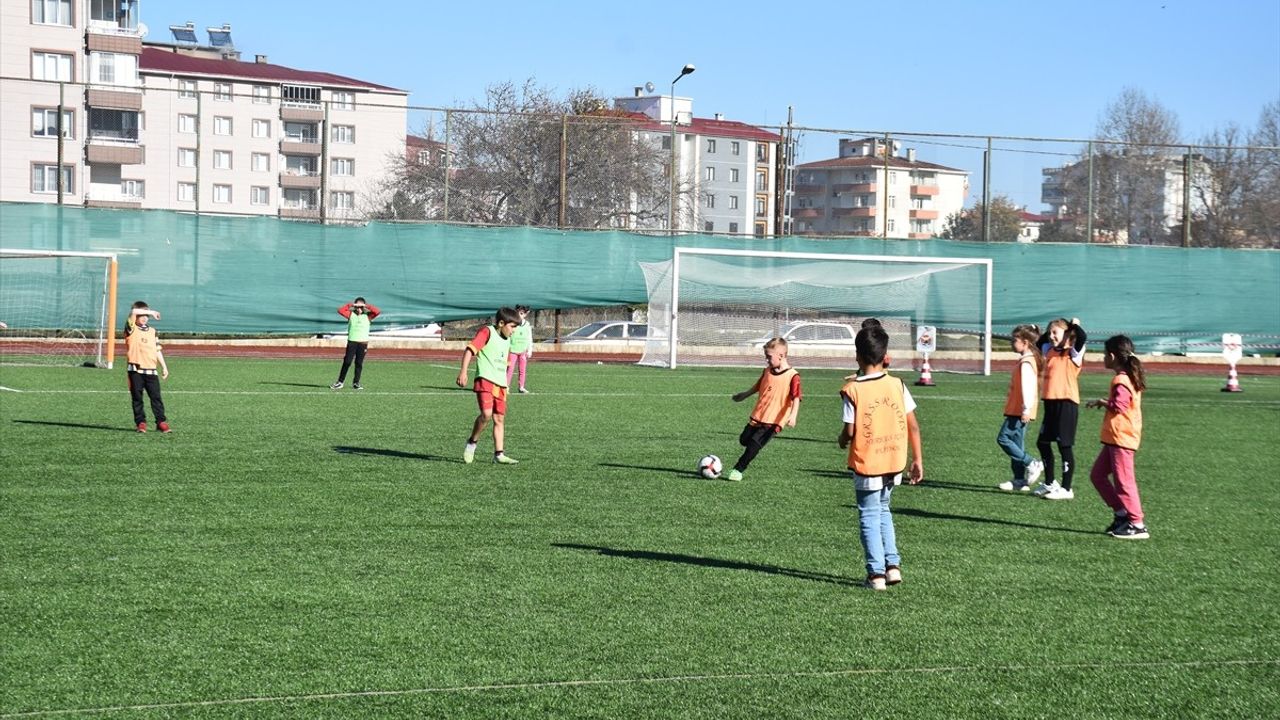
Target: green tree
pixel 1006 222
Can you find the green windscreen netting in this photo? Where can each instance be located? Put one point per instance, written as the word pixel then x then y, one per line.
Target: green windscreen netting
pixel 235 275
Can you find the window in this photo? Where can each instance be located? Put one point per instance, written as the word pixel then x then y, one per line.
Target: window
pixel 344 133
pixel 735 147
pixel 44 179
pixel 761 206
pixel 259 195
pixel 893 177
pixel 186 157
pixel 666 142
pixel 222 159
pixel 708 226
pixel 711 145
pixel 762 152
pixel 342 200
pixel 297 199
pixel 262 128
pixel 762 180
pixel 187 192
pixel 51 12
pixel 344 101
pixel 222 193
pixel 114 124
pixel 733 227
pixel 343 166
pixel 301 132
pixel 711 201
pixel 300 165
pixel 133 189
pixel 300 95
pixel 733 175
pixel 424 157
pixel 222 91
pixel 891 224
pixel 711 174
pixel 186 88
pixel 222 126
pixel 733 202
pixel 113 68
pixel 261 94
pixel 44 122
pixel 261 162
pixel 186 123
pixel 50 66
pixel 893 201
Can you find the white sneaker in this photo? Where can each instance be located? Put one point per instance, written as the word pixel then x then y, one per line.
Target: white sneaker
pixel 1059 493
pixel 469 453
pixel 1035 469
pixel 892 575
pixel 1045 489
pixel 1015 484
pixel 874 582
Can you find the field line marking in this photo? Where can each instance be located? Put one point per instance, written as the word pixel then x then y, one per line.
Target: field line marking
pixel 9 389
pixel 641 681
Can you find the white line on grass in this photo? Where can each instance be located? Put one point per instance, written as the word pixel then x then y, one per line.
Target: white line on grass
pixel 459 391
pixel 553 684
pixel 9 389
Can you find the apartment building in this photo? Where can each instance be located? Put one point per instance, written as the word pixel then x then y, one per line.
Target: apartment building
pixel 869 189
pixel 182 125
pixel 727 168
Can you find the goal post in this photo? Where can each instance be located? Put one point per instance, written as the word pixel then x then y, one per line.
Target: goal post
pixel 719 307
pixel 59 307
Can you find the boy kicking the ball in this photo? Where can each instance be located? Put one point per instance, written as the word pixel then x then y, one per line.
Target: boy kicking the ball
pixel 490 348
pixel 776 408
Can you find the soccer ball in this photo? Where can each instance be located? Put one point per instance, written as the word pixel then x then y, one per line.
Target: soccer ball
pixel 709 467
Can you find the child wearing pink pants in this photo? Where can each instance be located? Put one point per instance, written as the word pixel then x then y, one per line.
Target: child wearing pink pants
pixel 1112 472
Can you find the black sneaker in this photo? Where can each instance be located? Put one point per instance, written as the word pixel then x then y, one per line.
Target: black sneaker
pixel 1131 532
pixel 357 386
pixel 1119 522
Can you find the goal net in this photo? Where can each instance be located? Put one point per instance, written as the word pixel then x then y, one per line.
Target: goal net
pixel 719 307
pixel 58 307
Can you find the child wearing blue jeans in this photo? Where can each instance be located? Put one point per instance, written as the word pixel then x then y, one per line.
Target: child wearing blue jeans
pixel 879 425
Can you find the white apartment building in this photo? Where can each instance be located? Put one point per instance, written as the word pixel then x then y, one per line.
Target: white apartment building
pixel 870 190
pixel 728 167
pixel 181 126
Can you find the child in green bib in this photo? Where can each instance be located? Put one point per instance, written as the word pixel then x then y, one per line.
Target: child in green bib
pixel 359 315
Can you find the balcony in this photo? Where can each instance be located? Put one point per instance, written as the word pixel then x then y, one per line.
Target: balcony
pixel 111 198
pixel 809 188
pixel 113 100
pixel 293 111
pixel 923 214
pixel 924 190
pixel 102 39
pixel 807 213
pixel 858 212
pixel 308 145
pixel 300 180
pixel 919 236
pixel 107 151
pixel 858 188
pixel 300 213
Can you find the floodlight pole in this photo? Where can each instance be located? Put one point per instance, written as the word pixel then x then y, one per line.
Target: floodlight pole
pixel 671 210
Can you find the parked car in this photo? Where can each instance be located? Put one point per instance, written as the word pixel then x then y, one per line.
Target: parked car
pixel 622 332
pixel 807 335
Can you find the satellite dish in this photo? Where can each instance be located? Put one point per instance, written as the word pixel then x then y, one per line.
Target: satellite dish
pixel 648 87
pixel 142 29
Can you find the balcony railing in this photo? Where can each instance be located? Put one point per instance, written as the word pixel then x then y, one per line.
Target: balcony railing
pixel 113 27
pixel 302 138
pixel 128 136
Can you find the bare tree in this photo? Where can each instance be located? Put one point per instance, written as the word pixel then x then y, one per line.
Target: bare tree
pixel 1261 206
pixel 1130 178
pixel 525 157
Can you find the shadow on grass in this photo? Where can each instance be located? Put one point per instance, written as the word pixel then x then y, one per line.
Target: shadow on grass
pixel 783 436
pixel 81 426
pixel 289 384
pixel 383 452
pixel 825 472
pixel 712 563
pixel 944 485
pixel 468 388
pixel 927 515
pixel 669 470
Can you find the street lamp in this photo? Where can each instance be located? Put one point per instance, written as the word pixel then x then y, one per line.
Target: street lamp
pixel 671 212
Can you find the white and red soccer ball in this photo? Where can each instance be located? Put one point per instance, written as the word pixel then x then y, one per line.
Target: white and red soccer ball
pixel 709 467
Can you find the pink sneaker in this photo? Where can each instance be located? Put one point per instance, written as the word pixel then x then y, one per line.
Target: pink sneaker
pixel 164 427
pixel 142 427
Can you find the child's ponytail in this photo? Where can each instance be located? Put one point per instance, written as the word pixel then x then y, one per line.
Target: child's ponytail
pixel 1030 334
pixel 1121 347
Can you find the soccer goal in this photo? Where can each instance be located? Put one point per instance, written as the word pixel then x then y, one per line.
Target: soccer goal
pixel 719 307
pixel 58 307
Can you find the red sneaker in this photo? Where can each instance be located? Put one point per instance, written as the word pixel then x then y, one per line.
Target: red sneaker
pixel 142 427
pixel 164 427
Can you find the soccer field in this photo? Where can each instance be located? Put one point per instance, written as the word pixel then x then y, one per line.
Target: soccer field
pixel 291 551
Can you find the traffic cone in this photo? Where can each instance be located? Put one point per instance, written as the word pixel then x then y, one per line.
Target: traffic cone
pixel 926 375
pixel 1233 382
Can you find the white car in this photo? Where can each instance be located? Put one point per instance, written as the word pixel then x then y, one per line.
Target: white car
pixel 622 332
pixel 429 331
pixel 807 335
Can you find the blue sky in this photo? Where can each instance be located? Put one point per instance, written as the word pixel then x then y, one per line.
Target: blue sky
pixel 1030 68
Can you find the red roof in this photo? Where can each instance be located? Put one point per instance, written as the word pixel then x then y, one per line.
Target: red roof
pixel 709 127
pixel 419 141
pixel 873 162
pixel 158 59
pixel 1025 216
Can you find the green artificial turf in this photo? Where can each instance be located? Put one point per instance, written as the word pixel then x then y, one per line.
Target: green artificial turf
pixel 293 551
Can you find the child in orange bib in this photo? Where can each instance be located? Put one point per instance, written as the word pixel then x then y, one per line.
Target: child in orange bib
pixel 1020 409
pixel 1121 435
pixel 776 408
